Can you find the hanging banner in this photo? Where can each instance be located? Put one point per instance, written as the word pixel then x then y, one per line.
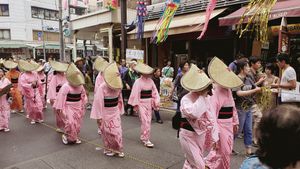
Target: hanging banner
pixel 283 38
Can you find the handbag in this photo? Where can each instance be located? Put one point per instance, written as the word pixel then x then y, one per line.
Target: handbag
pixel 288 96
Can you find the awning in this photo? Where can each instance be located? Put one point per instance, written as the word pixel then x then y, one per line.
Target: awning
pixel 12 46
pixel 180 24
pixel 287 8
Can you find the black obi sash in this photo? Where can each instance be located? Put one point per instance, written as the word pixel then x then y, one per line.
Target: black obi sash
pixel 225 113
pixel 14 80
pixel 73 97
pixel 58 88
pixel 186 125
pixel 111 101
pixel 146 94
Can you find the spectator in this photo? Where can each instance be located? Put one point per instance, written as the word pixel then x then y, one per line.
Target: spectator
pixel 168 71
pixel 180 91
pixel 123 68
pixel 270 80
pixel 156 80
pixel 233 65
pixel 244 102
pixel 278 140
pixel 129 78
pixel 289 78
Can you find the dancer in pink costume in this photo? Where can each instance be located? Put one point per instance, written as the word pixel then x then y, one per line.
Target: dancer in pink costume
pixel 109 107
pixel 99 65
pixel 225 112
pixel 57 80
pixel 42 88
pixel 197 122
pixel 4 103
pixel 70 102
pixel 144 97
pixel 30 82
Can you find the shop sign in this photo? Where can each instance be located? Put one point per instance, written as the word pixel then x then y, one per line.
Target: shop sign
pixel 292 29
pixel 135 54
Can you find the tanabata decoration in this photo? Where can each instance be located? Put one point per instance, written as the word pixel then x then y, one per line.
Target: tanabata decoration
pixel 257 17
pixel 112 4
pixel 210 7
pixel 141 13
pixel 162 28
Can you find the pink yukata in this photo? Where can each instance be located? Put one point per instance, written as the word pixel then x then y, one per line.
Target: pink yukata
pixel 4 106
pixel 42 89
pixel 98 83
pixel 71 101
pixel 55 84
pixel 33 102
pixel 226 117
pixel 144 97
pixel 108 106
pixel 197 112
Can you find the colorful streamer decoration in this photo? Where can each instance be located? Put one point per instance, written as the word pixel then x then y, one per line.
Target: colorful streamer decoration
pixel 211 6
pixel 141 13
pixel 162 28
pixel 112 4
pixel 257 17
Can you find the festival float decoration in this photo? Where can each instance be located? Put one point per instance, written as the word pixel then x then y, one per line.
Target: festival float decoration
pixel 141 13
pixel 256 16
pixel 210 7
pixel 162 28
pixel 112 4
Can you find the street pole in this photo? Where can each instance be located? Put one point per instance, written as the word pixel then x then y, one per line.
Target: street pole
pixel 43 34
pixel 123 29
pixel 61 35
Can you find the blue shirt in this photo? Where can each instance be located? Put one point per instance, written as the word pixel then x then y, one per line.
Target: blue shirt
pixel 253 163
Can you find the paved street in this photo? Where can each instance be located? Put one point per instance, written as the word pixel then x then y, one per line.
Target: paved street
pixel 39 146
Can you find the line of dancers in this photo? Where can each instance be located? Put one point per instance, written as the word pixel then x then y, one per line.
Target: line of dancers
pixel 208 115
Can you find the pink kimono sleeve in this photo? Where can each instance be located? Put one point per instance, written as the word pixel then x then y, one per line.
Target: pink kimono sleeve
pixel 155 97
pixel 134 98
pixel 61 98
pixel 98 104
pixel 26 87
pixel 84 100
pixel 121 104
pixel 52 89
pixel 193 110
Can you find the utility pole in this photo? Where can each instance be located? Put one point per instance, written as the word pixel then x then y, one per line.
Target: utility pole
pixel 61 35
pixel 123 29
pixel 43 34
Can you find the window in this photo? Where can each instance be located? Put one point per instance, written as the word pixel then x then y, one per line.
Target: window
pixel 77 11
pixel 42 13
pixel 5 34
pixel 4 10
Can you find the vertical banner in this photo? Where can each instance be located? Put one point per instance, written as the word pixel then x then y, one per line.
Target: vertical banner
pixel 283 37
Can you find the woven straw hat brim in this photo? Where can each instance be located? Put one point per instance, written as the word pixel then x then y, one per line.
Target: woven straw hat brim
pixel 58 66
pixel 112 76
pixel 10 64
pixel 26 66
pixel 100 64
pixel 222 75
pixel 74 76
pixel 1 61
pixel 78 59
pixel 195 80
pixel 143 68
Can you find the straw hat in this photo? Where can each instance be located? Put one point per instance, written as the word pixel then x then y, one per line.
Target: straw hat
pixel 10 64
pixel 195 80
pixel 74 76
pixel 143 68
pixel 222 75
pixel 100 64
pixel 1 61
pixel 78 59
pixel 58 66
pixel 27 66
pixel 41 68
pixel 112 76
